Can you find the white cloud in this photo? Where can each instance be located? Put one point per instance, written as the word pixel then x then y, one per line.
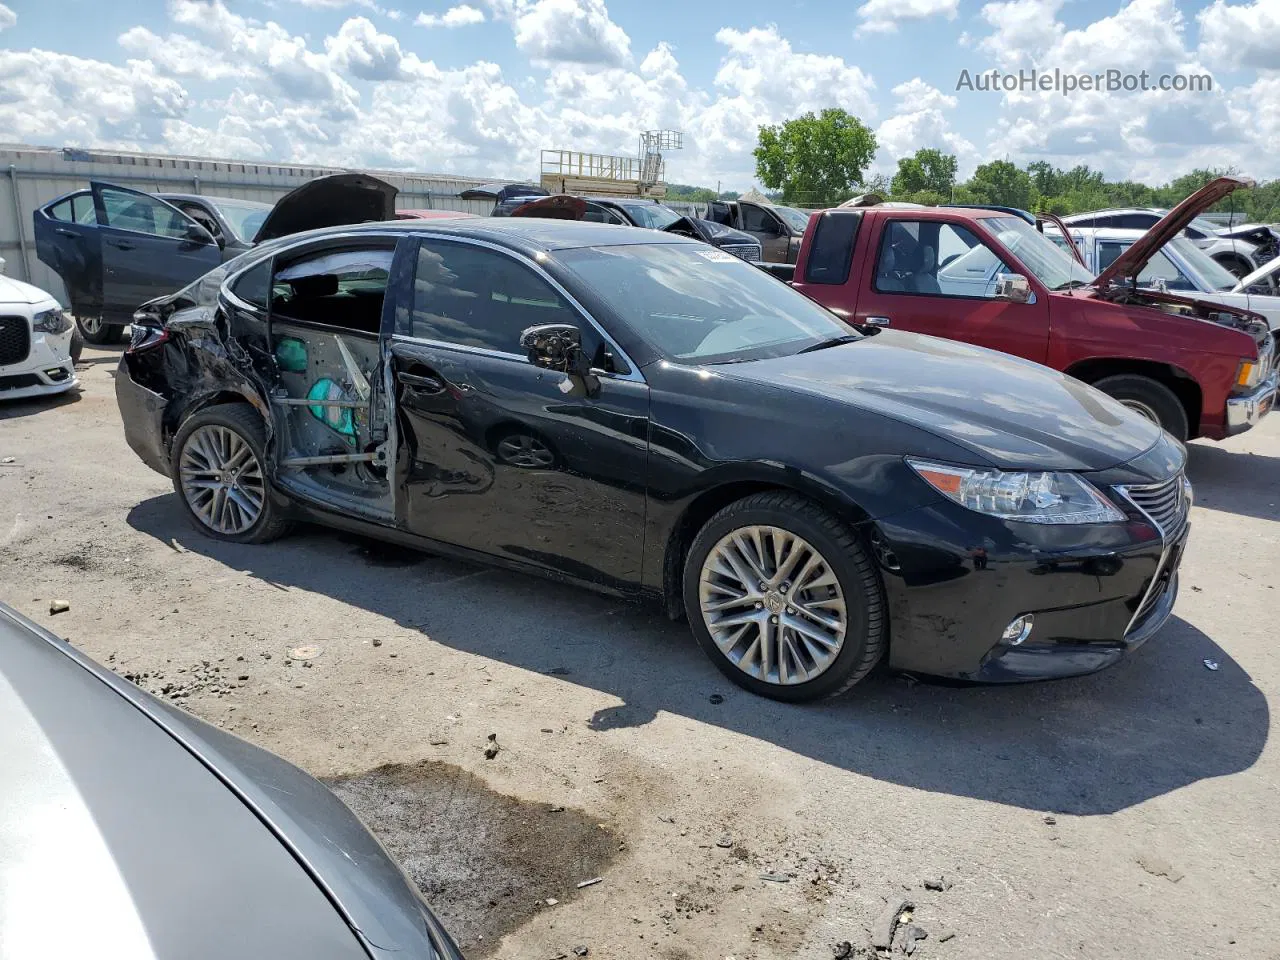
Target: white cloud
pixel 919 121
pixel 1241 36
pixel 7 17
pixel 363 52
pixel 883 16
pixel 179 55
pixel 462 15
pixel 1024 30
pixel 566 31
pixel 55 98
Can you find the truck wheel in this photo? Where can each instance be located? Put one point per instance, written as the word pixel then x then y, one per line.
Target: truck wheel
pixel 1150 398
pixel 95 331
pixel 784 598
pixel 218 470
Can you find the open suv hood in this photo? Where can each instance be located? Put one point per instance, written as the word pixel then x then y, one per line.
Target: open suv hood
pixel 331 201
pixel 1132 262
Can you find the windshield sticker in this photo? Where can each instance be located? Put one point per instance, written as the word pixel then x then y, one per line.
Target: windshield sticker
pixel 717 256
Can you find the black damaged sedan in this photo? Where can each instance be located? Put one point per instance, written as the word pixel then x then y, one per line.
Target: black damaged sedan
pixel 649 416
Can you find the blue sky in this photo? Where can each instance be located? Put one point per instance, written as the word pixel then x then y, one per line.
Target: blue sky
pixel 479 87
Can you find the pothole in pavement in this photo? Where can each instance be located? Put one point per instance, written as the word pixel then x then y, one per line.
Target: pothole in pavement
pixel 485 862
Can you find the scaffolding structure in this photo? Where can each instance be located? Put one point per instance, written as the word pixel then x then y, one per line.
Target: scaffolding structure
pixel 573 171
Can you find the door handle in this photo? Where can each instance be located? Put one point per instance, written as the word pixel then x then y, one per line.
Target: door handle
pixel 416 380
pixel 67 233
pixel 121 245
pixel 876 321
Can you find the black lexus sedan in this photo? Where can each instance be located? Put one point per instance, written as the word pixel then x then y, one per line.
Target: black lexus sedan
pixel 650 416
pixel 128 828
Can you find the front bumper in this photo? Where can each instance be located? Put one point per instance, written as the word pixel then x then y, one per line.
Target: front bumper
pixel 1244 412
pixel 955 579
pixel 47 369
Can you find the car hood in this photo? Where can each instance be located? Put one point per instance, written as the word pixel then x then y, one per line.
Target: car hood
pixel 1269 270
pixel 562 206
pixel 1011 413
pixel 331 201
pixel 1131 263
pixel 277 864
pixel 718 233
pixel 502 191
pixel 15 291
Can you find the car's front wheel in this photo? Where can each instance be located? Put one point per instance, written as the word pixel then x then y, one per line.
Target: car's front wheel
pixel 95 331
pixel 217 466
pixel 784 598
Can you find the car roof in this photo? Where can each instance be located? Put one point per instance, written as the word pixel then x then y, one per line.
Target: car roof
pixel 93 780
pixel 197 197
pixel 528 235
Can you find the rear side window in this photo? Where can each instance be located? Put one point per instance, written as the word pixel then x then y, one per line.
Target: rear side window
pixel 475 297
pixel 61 211
pixel 335 288
pixel 831 253
pixel 75 209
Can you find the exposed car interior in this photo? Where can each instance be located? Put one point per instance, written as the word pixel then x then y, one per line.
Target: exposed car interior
pixel 325 314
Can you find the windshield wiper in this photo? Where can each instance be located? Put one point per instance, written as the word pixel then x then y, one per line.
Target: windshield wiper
pixel 1070 285
pixel 831 342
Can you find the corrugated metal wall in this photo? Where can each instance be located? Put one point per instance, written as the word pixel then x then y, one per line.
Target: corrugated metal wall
pixel 32 176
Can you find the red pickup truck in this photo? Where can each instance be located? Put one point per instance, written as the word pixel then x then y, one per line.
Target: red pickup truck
pixel 989 277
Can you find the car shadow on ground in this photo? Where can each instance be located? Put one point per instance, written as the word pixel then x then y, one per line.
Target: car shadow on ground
pixel 29 407
pixel 1246 484
pixel 1159 721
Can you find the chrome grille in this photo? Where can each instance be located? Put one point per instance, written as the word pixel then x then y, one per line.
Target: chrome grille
pixel 747 251
pixel 15 340
pixel 1164 504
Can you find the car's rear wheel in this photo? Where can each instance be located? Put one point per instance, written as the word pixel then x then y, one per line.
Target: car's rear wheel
pixel 784 598
pixel 76 347
pixel 218 472
pixel 1148 398
pixel 94 330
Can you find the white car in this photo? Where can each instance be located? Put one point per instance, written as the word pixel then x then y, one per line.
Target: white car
pixel 1179 267
pixel 1236 254
pixel 36 342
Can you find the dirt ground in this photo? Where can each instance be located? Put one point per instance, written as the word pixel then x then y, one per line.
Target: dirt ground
pixel 1129 814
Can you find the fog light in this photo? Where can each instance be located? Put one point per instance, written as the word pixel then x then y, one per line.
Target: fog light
pixel 1018 630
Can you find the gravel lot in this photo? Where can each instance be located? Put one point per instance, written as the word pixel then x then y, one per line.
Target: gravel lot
pixel 1133 813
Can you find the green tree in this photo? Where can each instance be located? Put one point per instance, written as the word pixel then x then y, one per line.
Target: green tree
pixel 814 159
pixel 999 182
pixel 929 169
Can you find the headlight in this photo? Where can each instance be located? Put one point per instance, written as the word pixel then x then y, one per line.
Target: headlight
pixel 1030 497
pixel 51 321
pixel 1249 375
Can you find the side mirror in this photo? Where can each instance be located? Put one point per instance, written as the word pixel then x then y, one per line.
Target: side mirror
pixel 1013 287
pixel 198 235
pixel 556 346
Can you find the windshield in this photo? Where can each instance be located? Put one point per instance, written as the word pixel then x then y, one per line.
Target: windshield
pixel 1052 265
pixel 798 220
pixel 244 217
pixel 697 304
pixel 652 215
pixel 1214 274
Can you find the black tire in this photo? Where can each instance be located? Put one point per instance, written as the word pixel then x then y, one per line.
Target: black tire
pixel 77 344
pixel 1234 265
pixel 99 333
pixel 243 420
pixel 1149 398
pixel 867 632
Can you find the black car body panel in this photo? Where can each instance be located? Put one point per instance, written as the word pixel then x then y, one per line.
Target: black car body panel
pixel 184 814
pixel 133 246
pixel 602 479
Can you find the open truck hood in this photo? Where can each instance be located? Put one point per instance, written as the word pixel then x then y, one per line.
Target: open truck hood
pixel 1132 262
pixel 331 201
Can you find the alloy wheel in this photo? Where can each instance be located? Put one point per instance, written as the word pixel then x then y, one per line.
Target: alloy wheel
pixel 773 605
pixel 523 450
pixel 92 326
pixel 221 479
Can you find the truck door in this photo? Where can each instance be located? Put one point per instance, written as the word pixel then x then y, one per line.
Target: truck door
pixel 775 239
pixel 939 277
